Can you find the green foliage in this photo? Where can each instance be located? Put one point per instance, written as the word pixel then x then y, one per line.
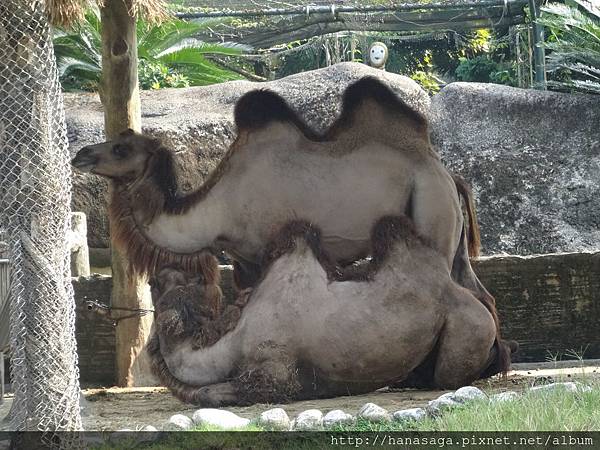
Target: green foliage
pixel 573 46
pixel 169 55
pixel 428 81
pixel 483 69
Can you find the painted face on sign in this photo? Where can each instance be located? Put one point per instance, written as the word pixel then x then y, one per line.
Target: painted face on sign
pixel 378 54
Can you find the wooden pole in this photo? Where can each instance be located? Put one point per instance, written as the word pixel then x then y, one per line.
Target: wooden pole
pixel 538 51
pixel 120 96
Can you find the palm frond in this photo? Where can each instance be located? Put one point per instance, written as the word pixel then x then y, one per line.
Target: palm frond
pixel 226 48
pixel 573 46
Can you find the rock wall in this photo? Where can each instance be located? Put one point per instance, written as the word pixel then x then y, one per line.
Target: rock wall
pixel 550 304
pixel 533 160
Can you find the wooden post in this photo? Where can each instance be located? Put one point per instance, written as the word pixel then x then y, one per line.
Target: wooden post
pixel 80 256
pixel 119 93
pixel 538 51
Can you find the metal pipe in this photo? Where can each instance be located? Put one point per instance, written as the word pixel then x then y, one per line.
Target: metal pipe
pixel 334 9
pixel 539 55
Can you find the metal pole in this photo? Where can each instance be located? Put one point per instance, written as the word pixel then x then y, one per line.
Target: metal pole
pixel 538 51
pixel 335 9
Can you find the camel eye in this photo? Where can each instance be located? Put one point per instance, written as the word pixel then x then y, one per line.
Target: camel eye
pixel 120 151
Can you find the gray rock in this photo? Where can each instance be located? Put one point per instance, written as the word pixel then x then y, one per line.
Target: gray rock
pixel 181 421
pixel 274 419
pixel 197 124
pixel 442 403
pixel 570 386
pixel 407 415
pixel 219 418
pixel 507 396
pixel 337 417
pixel 532 160
pixel 468 393
pixel 374 413
pixel 311 419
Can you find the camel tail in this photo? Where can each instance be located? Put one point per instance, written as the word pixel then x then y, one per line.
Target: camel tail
pixel 474 236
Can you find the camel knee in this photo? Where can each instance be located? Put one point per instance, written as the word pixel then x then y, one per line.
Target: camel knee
pixel 216 395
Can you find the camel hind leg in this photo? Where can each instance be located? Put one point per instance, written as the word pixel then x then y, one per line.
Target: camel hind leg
pixel 465 344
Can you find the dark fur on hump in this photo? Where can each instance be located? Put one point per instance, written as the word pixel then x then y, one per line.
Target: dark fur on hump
pixel 257 109
pixel 385 232
pixel 285 242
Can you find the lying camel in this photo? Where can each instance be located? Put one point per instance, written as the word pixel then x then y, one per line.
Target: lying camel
pixel 375 160
pixel 304 335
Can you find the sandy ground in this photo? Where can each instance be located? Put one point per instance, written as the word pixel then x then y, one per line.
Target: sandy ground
pixel 116 408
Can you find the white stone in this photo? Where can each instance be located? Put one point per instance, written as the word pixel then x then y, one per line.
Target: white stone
pixel 507 396
pixel 274 419
pixel 373 413
pixel 468 393
pixel 149 428
pixel 219 418
pixel 181 421
pixel 443 402
pixel 412 414
pixel 311 419
pixel 569 386
pixel 337 417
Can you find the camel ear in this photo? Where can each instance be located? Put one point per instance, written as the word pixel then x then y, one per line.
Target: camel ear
pixel 369 100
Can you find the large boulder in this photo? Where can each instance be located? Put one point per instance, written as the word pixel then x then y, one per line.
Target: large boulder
pixel 197 124
pixel 533 159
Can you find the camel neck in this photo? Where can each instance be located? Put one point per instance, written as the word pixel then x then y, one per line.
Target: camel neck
pixel 189 231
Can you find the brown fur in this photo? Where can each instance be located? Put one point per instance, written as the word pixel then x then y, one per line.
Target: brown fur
pixel 474 235
pixel 186 309
pixel 143 255
pixel 284 242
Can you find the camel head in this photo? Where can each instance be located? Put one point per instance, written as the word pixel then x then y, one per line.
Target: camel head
pixel 125 158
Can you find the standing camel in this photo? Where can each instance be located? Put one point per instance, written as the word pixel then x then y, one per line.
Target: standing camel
pixel 375 160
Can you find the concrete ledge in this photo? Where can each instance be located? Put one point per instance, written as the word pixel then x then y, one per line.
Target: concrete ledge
pixel 550 303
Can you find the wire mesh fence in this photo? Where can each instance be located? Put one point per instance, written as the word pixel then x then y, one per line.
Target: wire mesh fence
pixel 35 193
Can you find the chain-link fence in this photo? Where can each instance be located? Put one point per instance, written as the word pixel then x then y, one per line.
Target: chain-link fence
pixel 35 193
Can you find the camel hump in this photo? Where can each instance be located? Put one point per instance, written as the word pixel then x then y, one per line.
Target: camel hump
pixel 257 109
pixel 392 229
pixel 370 100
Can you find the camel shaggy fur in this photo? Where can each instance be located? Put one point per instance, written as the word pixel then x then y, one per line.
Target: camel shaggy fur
pixel 375 160
pixel 303 334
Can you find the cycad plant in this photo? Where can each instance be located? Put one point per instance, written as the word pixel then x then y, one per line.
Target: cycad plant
pixel 574 47
pixel 169 55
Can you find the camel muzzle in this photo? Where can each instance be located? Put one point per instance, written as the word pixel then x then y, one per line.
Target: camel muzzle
pixel 85 160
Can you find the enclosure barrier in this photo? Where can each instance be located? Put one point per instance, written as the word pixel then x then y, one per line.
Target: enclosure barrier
pixel 35 194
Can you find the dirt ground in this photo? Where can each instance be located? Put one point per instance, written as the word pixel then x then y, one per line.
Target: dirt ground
pixel 107 409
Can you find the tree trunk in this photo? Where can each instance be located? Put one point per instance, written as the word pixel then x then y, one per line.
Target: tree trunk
pixel 119 93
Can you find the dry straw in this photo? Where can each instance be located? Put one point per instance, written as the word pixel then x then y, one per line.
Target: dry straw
pixel 65 13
